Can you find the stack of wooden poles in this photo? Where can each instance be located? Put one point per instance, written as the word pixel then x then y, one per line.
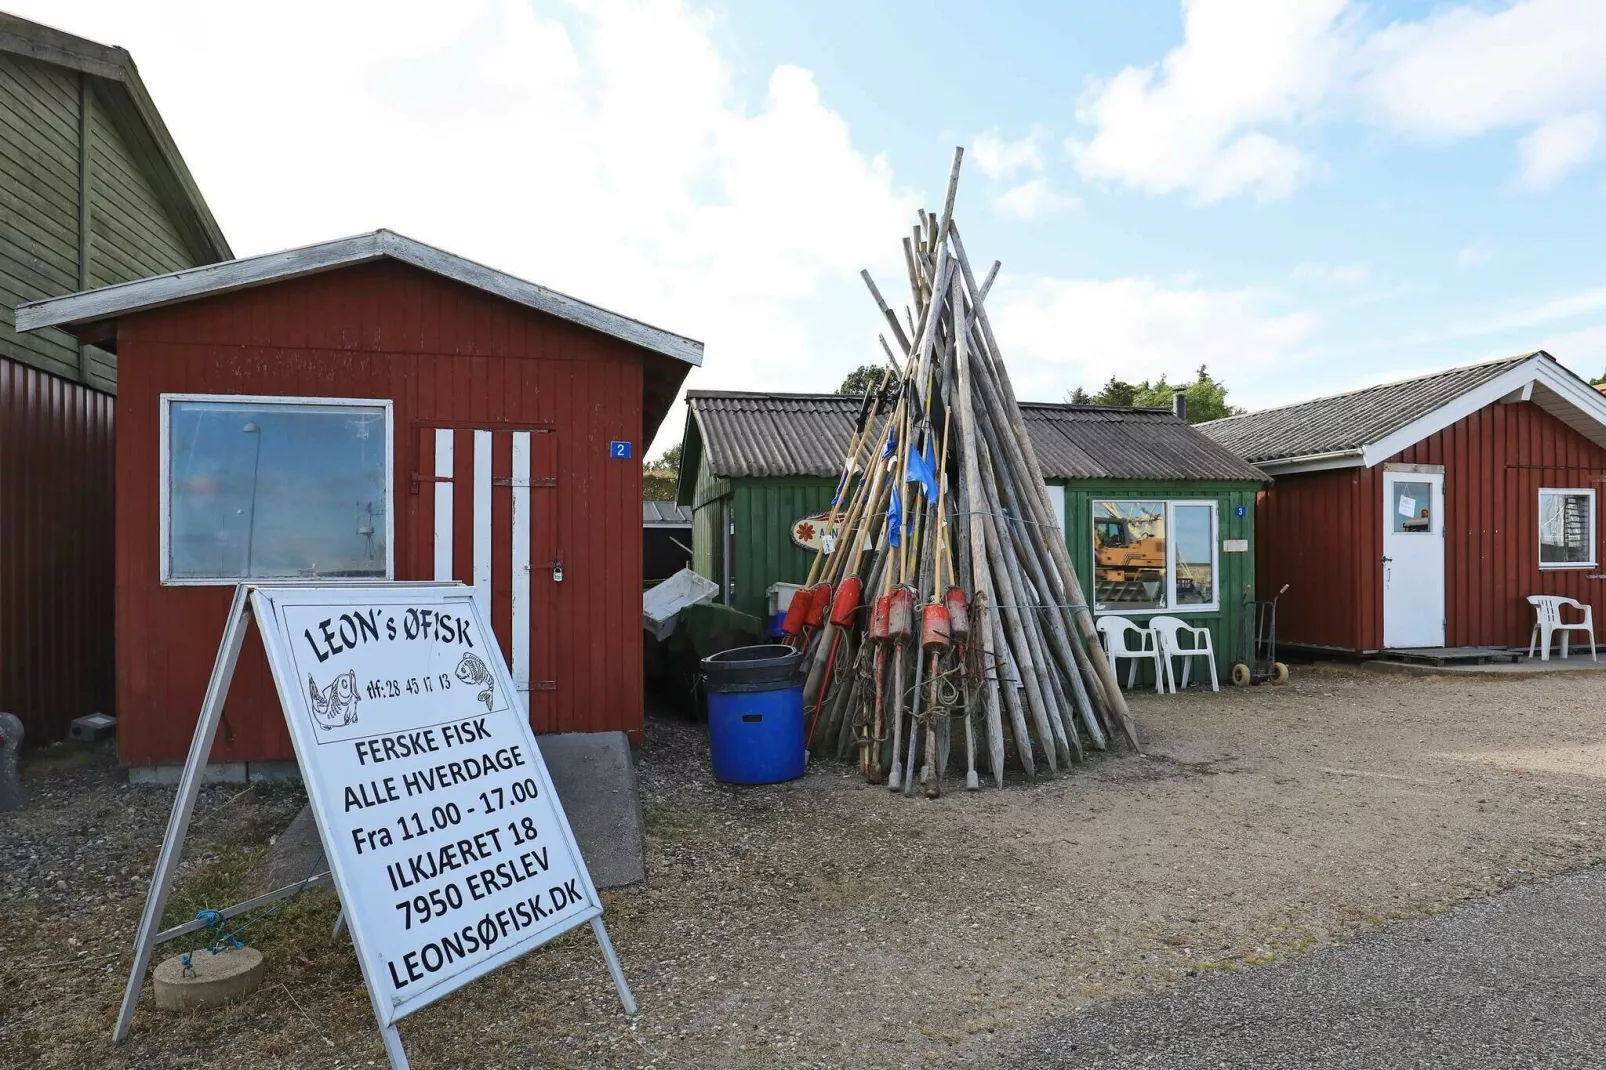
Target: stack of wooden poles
pixel 943 597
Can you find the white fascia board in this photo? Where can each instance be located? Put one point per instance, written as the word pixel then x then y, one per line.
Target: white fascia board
pixel 1453 411
pixel 1315 462
pixel 229 275
pixel 209 279
pixel 1518 381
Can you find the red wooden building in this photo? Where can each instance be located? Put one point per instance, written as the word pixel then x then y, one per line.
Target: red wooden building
pixel 1423 513
pixel 373 408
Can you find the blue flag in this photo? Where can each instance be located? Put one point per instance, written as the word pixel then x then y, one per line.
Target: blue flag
pixel 891 443
pixel 895 520
pixel 922 470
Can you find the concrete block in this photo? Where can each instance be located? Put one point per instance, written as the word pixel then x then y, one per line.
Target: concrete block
pixel 167 776
pixel 212 980
pixel 596 783
pixel 274 772
pixel 91 727
pixel 12 797
pixel 293 854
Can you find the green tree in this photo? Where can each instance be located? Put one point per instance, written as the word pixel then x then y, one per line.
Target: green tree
pixel 1207 396
pixel 861 379
pixel 1598 380
pixel 661 476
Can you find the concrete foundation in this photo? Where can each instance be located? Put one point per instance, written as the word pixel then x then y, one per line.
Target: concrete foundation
pixel 596 782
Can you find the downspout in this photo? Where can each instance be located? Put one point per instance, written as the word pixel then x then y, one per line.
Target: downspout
pixel 726 529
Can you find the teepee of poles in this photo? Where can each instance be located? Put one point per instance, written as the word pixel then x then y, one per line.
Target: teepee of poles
pixel 942 601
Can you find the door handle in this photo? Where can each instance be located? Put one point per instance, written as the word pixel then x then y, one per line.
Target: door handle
pixel 1387 559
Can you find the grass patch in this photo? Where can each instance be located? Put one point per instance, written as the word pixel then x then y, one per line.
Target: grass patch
pixel 667 823
pixel 291 932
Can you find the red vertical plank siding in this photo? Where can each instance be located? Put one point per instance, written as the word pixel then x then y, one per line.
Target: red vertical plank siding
pixel 56 563
pixel 446 355
pixel 1495 462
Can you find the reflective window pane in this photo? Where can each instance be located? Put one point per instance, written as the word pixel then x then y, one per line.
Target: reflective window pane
pixel 281 491
pixel 1566 528
pixel 1193 530
pixel 1412 507
pixel 1129 555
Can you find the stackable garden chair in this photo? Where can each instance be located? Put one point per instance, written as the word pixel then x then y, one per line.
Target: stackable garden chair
pixel 1547 622
pixel 1179 639
pixel 1123 639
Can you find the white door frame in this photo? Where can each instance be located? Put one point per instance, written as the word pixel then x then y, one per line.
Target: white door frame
pixel 1413 565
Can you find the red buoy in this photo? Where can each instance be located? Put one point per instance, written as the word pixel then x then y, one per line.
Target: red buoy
pixel 958 613
pixel 880 614
pixel 796 610
pixel 818 598
pixel 934 626
pixel 901 613
pixel 846 606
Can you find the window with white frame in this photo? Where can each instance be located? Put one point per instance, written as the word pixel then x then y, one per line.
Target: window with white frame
pixel 1154 555
pixel 275 488
pixel 1566 528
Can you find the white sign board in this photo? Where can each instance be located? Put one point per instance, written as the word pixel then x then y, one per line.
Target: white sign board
pixel 445 839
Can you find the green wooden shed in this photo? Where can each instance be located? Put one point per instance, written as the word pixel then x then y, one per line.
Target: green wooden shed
pixel 1158 518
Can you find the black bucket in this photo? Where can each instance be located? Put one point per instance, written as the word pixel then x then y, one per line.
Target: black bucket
pixel 768 667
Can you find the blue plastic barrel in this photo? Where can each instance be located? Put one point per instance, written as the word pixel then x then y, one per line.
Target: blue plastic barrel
pixel 755 713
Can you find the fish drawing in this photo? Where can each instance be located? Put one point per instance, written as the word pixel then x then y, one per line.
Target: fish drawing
pixel 472 671
pixel 336 704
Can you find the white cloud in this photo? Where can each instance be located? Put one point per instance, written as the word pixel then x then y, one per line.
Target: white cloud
pixel 1222 113
pixel 1002 160
pixel 600 148
pixel 1465 70
pixel 1474 255
pixel 1583 350
pixel 1192 122
pixel 1333 276
pixel 1034 199
pixel 1556 148
pixel 1058 334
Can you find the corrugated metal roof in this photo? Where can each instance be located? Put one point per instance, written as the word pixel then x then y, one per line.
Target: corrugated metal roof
pixel 750 435
pixel 1347 422
pixel 656 514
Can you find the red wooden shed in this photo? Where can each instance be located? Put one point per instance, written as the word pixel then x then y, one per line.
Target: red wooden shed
pixel 1422 513
pixel 373 408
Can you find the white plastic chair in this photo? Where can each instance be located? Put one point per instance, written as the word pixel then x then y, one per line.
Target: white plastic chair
pixel 1547 613
pixel 1117 631
pixel 1171 631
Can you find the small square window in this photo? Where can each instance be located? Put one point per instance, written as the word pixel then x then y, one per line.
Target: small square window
pixel 269 488
pixel 1154 555
pixel 1566 528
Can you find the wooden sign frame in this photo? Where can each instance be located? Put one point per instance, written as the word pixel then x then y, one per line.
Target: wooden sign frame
pixel 247 603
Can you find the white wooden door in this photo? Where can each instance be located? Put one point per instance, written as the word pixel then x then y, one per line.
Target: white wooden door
pixel 1413 559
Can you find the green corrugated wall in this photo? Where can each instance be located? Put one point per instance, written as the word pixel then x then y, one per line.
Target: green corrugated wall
pixel 764 511
pixel 1237 569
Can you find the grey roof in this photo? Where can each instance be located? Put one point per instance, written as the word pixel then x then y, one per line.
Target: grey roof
pixel 112 72
pixel 656 514
pixel 1348 422
pixel 772 435
pixel 109 302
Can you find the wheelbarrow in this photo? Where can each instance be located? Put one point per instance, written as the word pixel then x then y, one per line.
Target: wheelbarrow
pixel 1258 648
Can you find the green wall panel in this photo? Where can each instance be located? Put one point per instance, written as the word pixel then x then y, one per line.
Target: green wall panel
pixel 764 512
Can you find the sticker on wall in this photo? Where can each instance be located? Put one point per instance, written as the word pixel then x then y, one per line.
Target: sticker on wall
pixel 1240 511
pixel 808 532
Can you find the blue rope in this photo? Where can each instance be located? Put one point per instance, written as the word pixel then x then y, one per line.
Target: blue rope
pixel 214 919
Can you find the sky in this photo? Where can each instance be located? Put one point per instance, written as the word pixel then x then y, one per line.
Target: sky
pixel 1305 195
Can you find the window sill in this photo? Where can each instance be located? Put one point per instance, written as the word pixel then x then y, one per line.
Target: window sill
pixel 270 581
pixel 1559 566
pixel 1163 611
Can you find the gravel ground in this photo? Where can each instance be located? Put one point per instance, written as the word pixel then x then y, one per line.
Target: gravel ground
pixel 1515 980
pixel 822 923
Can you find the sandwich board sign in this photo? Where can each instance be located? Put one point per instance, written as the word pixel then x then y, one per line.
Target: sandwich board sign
pixel 445 840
